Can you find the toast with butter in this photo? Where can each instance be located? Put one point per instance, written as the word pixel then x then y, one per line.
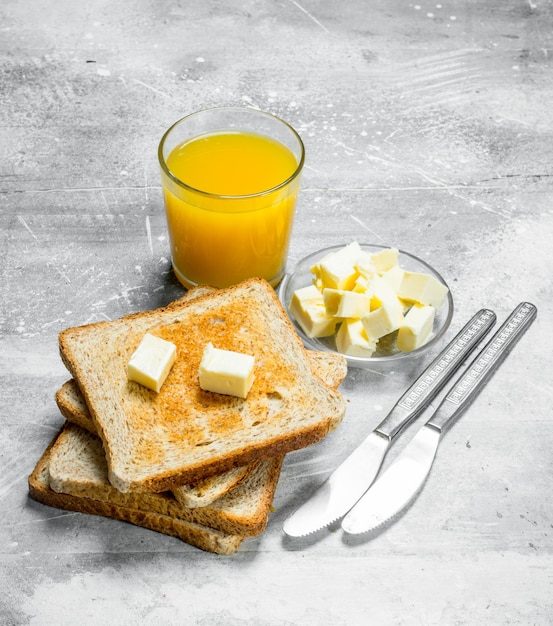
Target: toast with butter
pixel 197 535
pixel 157 441
pixel 74 464
pixel 330 367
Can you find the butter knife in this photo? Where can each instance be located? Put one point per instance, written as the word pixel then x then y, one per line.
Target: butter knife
pixel 335 497
pixel 402 481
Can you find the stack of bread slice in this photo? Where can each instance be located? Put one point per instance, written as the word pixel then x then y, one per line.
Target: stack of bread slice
pixel 186 462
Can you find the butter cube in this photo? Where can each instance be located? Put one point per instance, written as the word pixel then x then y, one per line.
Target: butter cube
pixel 352 339
pixel 422 288
pixel 362 285
pixel 226 372
pixel 337 271
pixel 316 268
pixel 307 296
pixel 385 259
pixel 383 320
pixel 308 308
pixel 416 328
pixel 318 282
pixel 340 303
pixel 151 362
pixel 351 252
pixel 384 292
pixel 365 266
pixel 393 277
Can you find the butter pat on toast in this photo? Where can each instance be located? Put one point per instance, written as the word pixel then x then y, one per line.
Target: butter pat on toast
pixel 154 442
pixel 329 366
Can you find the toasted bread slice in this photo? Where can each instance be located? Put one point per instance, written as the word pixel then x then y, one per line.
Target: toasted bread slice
pixel 155 442
pixel 77 466
pixel 330 367
pixel 73 407
pixel 192 533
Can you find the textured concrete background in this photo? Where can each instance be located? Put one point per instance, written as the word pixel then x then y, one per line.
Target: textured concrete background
pixel 429 126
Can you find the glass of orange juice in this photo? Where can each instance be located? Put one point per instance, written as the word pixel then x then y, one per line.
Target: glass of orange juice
pixel 230 178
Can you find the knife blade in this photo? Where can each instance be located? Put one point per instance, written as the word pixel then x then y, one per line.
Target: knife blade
pixel 405 477
pixel 352 478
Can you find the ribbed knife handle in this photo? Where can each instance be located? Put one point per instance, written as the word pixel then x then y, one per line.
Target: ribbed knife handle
pixel 483 366
pixel 435 376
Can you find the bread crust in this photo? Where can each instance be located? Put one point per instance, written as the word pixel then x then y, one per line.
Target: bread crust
pixel 77 467
pixel 202 537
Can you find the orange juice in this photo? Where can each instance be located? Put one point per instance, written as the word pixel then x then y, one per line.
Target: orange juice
pixel 230 200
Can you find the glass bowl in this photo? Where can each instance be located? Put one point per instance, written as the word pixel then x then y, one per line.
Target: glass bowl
pixel 387 351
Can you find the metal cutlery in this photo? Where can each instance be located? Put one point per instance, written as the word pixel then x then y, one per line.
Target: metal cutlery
pixel 335 497
pixel 401 482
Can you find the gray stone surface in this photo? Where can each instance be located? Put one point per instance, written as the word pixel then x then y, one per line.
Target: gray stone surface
pixel 428 126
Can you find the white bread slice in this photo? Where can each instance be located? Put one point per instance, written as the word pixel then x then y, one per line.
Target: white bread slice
pixel 194 534
pixel 73 407
pixel 77 466
pixel 154 442
pixel 329 366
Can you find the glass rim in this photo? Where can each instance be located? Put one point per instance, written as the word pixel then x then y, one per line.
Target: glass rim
pixel 208 194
